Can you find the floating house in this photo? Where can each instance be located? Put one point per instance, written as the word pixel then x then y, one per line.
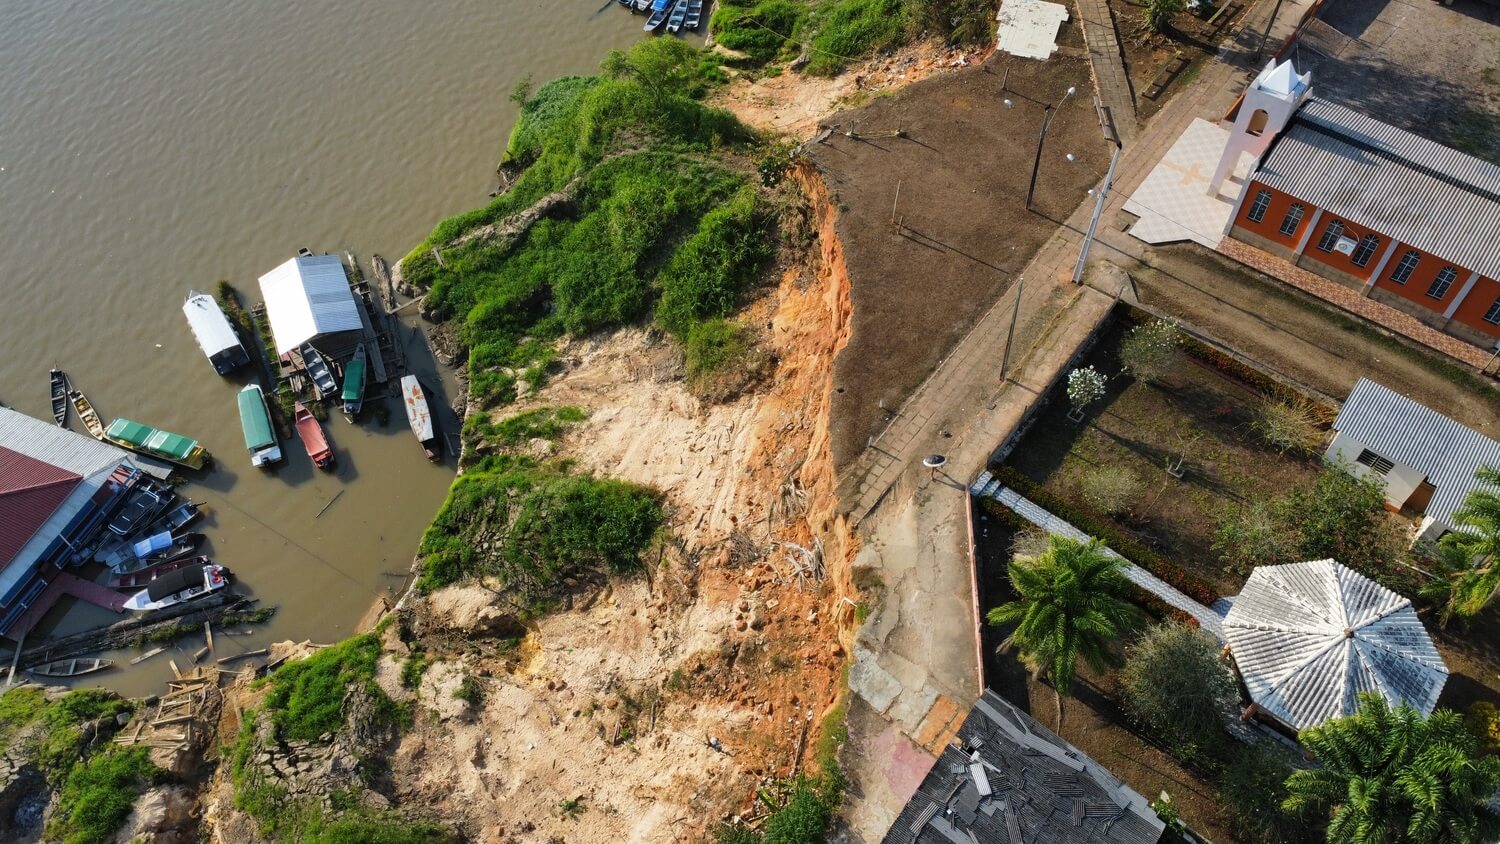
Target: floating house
pixel 58 491
pixel 1007 779
pixel 308 300
pixel 255 424
pixel 215 335
pixel 1425 460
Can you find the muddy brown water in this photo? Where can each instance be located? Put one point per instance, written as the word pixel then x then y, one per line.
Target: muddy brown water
pixel 154 146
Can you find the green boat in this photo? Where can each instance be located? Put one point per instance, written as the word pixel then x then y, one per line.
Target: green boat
pixel 255 422
pixel 142 438
pixel 354 384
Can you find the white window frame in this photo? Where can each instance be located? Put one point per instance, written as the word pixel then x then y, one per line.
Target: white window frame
pixel 1402 273
pixel 1365 250
pixel 1259 205
pixel 1294 217
pixel 1331 235
pixel 1444 280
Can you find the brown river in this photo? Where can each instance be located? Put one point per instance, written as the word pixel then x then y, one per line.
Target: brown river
pixel 153 146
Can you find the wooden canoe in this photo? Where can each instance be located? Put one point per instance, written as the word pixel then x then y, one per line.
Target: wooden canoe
pixel 71 667
pixel 60 397
pixel 86 413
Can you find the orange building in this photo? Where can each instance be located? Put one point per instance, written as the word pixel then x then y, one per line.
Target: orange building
pixel 1404 220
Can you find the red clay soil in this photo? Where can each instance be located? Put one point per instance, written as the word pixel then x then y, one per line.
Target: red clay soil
pixel 963 162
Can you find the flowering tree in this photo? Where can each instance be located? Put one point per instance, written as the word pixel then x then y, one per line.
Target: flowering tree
pixel 1085 386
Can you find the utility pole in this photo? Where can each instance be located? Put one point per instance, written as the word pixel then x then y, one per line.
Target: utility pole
pixel 1010 333
pixel 1036 165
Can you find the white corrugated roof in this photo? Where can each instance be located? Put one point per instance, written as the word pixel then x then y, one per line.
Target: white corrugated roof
pixel 1400 429
pixel 308 296
pixel 210 327
pixel 1309 637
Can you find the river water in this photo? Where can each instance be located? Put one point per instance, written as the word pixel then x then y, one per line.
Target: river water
pixel 151 146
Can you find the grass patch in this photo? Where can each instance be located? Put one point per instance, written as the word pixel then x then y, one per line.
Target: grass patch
pixel 469 690
pixel 764 31
pixel 847 30
pixel 544 423
pixel 307 695
pixel 413 668
pixel 19 707
pixel 98 795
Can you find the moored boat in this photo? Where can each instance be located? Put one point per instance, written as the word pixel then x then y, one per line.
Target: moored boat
pixel 153 442
pixel 677 16
pixel 354 384
pixel 176 548
pixel 255 424
pixel 694 15
pixel 177 586
pixel 86 413
pixel 642 6
pixel 138 579
pixel 60 397
pixel 180 516
pixel 215 335
pixel 318 371
pixel 419 416
pixel 70 667
pixel 659 11
pixel 313 439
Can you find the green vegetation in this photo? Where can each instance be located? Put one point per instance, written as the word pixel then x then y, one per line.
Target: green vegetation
pixel 761 29
pixel 1251 790
pixel 1390 775
pixel 98 795
pixel 1110 489
pixel 1289 426
pixel 547 423
pixel 1074 602
pixel 1149 350
pixel 533 527
pixel 63 740
pixel 469 690
pixel 19 707
pixel 1158 14
pixel 307 695
pixel 413 668
pixel 723 358
pixel 845 30
pixel 1175 684
pixel 1469 560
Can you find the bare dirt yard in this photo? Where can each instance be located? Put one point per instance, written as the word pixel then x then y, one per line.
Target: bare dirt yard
pixel 1160 63
pixel 963 162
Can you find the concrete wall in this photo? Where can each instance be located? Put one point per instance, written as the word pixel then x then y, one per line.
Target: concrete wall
pixel 1400 482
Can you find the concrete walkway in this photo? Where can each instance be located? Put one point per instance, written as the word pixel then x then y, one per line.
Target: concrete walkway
pixel 1108 63
pixel 1210 619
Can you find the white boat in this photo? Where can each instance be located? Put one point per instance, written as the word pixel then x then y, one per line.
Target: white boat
pixel 419 416
pixel 178 586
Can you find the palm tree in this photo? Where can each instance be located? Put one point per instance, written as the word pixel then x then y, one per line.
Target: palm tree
pixel 1073 603
pixel 1390 775
pixel 1470 559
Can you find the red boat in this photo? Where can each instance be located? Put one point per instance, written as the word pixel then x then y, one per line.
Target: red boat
pixel 311 432
pixel 137 580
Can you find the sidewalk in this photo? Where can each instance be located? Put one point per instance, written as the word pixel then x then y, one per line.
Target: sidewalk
pixel 1108 63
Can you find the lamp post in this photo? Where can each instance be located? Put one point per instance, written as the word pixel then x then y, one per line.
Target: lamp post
pixel 1042 139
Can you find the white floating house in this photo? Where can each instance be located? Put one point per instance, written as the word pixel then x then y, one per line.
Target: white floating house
pixel 1307 638
pixel 215 336
pixel 1425 460
pixel 308 300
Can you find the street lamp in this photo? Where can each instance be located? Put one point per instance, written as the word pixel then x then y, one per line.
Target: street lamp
pixel 933 462
pixel 1037 164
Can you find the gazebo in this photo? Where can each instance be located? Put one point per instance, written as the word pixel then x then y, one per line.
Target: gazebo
pixel 1309 637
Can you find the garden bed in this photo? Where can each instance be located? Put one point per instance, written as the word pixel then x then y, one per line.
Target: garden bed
pixel 1158 63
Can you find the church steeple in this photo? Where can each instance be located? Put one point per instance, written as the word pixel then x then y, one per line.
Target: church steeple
pixel 1268 106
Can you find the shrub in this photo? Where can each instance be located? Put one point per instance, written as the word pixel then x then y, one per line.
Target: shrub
pixel 1483 720
pixel 1085 386
pixel 959 22
pixel 1175 684
pixel 1289 426
pixel 469 690
pixel 844 30
pixel 98 795
pixel 1251 792
pixel 1158 14
pixel 1110 489
pixel 1253 534
pixel 1149 351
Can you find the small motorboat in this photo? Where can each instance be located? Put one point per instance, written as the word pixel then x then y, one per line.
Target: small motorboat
pixel 255 423
pixel 642 6
pixel 354 384
pixel 658 17
pixel 136 580
pixel 86 414
pixel 677 16
pixel 419 416
pixel 178 586
pixel 70 667
pixel 313 439
pixel 60 397
pixel 139 509
pixel 174 548
pixel 180 516
pixel 694 15
pixel 318 371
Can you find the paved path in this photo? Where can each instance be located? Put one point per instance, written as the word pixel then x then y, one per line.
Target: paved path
pixel 1210 619
pixel 1108 63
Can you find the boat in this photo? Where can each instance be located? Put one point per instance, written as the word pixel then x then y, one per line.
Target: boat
pixel 139 509
pixel 180 516
pixel 255 424
pixel 677 16
pixel 215 333
pixel 318 371
pixel 311 432
pixel 642 6
pixel 144 439
pixel 60 398
pixel 138 579
pixel 178 586
pixel 419 416
pixel 658 17
pixel 694 15
pixel 86 414
pixel 70 667
pixel 180 547
pixel 629 4
pixel 354 384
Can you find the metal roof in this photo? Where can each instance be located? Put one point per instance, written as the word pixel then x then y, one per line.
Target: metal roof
pixel 1309 637
pixel 1012 781
pixel 306 297
pixel 1400 429
pixel 209 325
pixel 1375 175
pixel 30 492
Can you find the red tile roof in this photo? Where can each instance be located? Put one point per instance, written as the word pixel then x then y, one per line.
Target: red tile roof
pixel 30 492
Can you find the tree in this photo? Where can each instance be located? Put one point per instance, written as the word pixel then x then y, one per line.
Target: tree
pixel 665 65
pixel 1252 789
pixel 1159 13
pixel 1390 775
pixel 1149 351
pixel 1468 558
pixel 1074 602
pixel 1085 386
pixel 1175 684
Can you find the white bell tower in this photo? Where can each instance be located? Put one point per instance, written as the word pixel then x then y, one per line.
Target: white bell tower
pixel 1269 104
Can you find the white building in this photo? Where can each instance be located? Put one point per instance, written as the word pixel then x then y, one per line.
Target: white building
pixel 1425 460
pixel 308 300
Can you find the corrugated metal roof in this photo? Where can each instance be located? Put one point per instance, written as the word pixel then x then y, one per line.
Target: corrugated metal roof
pixel 1375 175
pixel 1041 790
pixel 30 492
pixel 308 296
pixel 1400 429
pixel 209 325
pixel 1309 637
